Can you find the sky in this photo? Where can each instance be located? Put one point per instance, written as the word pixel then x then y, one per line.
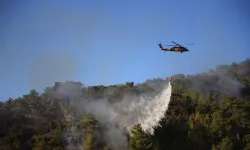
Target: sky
pixel 113 42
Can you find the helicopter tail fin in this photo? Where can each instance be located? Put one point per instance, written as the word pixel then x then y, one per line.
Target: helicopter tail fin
pixel 160 46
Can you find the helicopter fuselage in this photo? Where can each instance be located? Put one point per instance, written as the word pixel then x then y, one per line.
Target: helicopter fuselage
pixel 175 49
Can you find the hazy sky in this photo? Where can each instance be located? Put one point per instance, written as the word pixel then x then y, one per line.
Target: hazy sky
pixel 111 42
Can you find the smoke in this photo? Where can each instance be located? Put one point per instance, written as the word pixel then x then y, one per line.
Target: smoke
pixel 120 116
pixel 148 111
pixel 153 111
pixel 223 78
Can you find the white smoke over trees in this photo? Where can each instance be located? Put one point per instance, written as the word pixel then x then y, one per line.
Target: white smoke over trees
pixel 118 108
pixel 118 117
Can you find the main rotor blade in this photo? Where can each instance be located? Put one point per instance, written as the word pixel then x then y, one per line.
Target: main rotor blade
pixel 175 43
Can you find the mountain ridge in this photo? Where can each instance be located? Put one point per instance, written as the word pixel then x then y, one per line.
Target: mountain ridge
pixel 208 110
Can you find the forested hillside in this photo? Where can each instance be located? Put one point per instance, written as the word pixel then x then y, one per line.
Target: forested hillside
pixel 207 111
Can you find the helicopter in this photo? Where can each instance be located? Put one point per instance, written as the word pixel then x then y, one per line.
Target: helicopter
pixel 176 48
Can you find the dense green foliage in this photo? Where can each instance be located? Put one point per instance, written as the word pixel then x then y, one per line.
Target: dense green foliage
pixel 208 111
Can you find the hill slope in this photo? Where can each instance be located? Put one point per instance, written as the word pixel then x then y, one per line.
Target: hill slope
pixel 207 111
